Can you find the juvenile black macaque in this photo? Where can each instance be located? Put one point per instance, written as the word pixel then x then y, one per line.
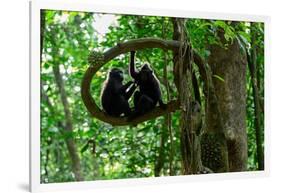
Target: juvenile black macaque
pixel 149 93
pixel 115 95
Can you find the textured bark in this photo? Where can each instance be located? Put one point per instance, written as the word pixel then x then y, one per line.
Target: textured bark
pixel 196 88
pixel 183 58
pixel 230 64
pixel 68 129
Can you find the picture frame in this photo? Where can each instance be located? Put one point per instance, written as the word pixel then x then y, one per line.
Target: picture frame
pixel 88 6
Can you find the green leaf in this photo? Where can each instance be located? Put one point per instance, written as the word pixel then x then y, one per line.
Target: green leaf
pixel 218 77
pixel 85 148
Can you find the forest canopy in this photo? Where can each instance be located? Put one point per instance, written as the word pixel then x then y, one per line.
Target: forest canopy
pixel 215 77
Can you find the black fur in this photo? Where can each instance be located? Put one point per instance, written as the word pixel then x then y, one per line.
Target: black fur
pixel 149 93
pixel 115 95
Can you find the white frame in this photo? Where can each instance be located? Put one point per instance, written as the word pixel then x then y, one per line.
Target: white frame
pixel 89 6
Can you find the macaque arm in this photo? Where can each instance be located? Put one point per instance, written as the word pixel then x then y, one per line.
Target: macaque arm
pixel 132 69
pixel 130 92
pixel 124 87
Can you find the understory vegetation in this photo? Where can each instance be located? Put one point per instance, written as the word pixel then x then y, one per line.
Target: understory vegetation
pixel 219 64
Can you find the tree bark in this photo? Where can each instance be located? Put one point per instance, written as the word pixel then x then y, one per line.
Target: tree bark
pixel 183 58
pixel 68 129
pixel 229 64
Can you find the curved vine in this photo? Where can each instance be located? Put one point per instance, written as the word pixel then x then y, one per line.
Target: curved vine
pixel 102 59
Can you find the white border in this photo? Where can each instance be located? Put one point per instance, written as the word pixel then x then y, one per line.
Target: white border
pixel 89 6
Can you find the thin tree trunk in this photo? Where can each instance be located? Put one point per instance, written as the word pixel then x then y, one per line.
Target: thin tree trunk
pixel 163 138
pixel 160 159
pixel 252 63
pixel 42 32
pixel 68 129
pixel 168 117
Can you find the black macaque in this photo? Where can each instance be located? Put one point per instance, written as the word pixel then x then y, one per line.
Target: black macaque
pixel 149 93
pixel 115 95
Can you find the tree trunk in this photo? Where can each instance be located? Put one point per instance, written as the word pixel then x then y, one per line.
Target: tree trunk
pixel 183 58
pixel 68 129
pixel 252 63
pixel 168 117
pixel 229 64
pixel 161 157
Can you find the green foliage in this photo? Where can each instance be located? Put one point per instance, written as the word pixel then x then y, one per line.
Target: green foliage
pixel 121 152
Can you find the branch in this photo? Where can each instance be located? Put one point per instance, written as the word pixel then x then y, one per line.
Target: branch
pixel 122 48
pixel 138 44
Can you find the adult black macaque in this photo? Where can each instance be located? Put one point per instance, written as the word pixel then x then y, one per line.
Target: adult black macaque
pixel 115 95
pixel 149 93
